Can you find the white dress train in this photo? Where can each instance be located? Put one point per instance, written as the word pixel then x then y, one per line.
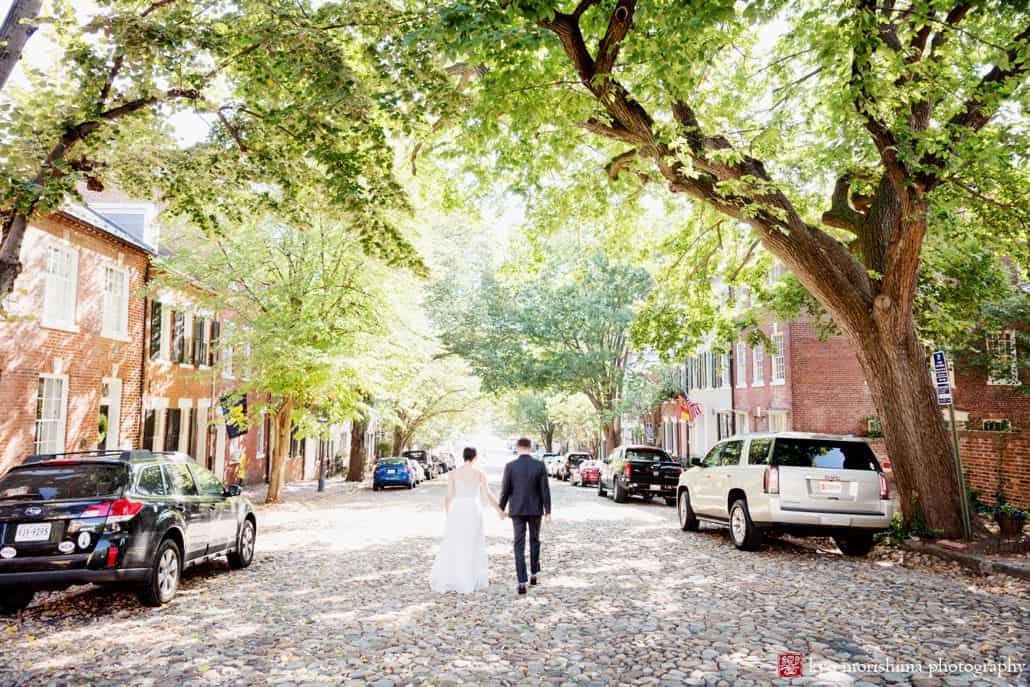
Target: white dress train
pixel 461 563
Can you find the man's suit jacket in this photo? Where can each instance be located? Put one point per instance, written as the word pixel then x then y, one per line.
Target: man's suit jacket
pixel 525 490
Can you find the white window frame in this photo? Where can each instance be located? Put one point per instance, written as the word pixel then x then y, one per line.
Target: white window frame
pixel 106 331
pixel 995 344
pixel 114 413
pixel 741 365
pixel 62 421
pixel 779 362
pixel 727 369
pixel 758 365
pixel 741 421
pixel 65 288
pixel 780 416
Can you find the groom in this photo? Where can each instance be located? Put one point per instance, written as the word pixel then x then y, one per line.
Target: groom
pixel 525 488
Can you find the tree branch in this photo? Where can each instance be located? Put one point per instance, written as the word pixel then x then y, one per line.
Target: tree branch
pixel 841 215
pixel 618 26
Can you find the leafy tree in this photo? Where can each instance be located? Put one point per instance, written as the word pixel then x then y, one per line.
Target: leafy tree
pixel 563 329
pixel 833 132
pixel 298 100
pixel 538 411
pixel 302 304
pixel 578 423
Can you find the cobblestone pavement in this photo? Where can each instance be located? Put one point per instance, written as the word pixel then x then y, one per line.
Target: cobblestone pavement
pixel 338 595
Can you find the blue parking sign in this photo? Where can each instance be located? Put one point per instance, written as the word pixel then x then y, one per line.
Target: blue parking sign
pixel 941 378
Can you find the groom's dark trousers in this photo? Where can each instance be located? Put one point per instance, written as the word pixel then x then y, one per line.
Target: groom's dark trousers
pixel 527 495
pixel 519 522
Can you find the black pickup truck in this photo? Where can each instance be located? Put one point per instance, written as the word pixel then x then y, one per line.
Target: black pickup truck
pixel 644 471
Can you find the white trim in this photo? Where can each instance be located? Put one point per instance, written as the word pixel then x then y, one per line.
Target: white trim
pixel 781 355
pixel 203 402
pixel 185 403
pixel 67 289
pixel 758 365
pixel 998 338
pixel 118 334
pixel 63 417
pixel 741 360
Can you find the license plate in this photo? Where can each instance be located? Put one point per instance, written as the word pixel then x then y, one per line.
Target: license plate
pixel 656 487
pixel 33 531
pixel 830 487
pixel 391 472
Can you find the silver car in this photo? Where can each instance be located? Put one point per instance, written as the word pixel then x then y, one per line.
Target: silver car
pixel 788 482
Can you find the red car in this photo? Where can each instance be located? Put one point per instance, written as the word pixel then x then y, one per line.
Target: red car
pixel 586 473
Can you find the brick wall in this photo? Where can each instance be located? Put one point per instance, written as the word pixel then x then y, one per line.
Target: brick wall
pixel 756 399
pixel 29 349
pixel 981 452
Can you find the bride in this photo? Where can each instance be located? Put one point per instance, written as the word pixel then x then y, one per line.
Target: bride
pixel 461 562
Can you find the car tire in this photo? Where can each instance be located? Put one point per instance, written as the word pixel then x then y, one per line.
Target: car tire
pixel 669 501
pixel 14 600
pixel 244 553
pixel 163 579
pixel 854 543
pixel 618 491
pixel 600 487
pixel 688 521
pixel 743 532
pixel 412 485
pixel 376 487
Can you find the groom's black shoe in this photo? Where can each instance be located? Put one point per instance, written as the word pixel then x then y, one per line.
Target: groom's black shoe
pixel 532 580
pixel 522 588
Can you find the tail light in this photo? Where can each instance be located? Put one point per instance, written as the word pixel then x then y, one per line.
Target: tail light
pixel 771 483
pixel 112 556
pixel 115 511
pixel 884 492
pixel 629 471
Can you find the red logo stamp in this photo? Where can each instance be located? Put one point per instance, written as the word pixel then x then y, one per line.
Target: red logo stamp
pixel 789 665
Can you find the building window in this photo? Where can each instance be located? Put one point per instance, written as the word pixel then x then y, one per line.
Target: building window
pixel 51 414
pixel 155 329
pixel 725 424
pixel 717 369
pixel 212 349
pixel 997 425
pixel 62 265
pixel 758 365
pixel 178 337
pixel 1001 347
pixel 776 273
pixel 173 424
pixel 725 358
pixel 116 303
pixel 200 341
pixel 777 421
pixel 740 421
pixel 149 428
pixel 779 366
pixel 741 364
pixel 262 447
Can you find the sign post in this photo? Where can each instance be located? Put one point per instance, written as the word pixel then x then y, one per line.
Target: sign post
pixel 942 380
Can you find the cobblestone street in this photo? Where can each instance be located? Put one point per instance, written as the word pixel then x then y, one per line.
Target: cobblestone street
pixel 339 595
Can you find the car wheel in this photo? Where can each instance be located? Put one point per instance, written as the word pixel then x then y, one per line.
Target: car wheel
pixel 854 543
pixel 244 553
pixel 669 501
pixel 600 488
pixel 14 600
pixel 743 532
pixel 412 485
pixel 375 487
pixel 163 579
pixel 618 491
pixel 688 521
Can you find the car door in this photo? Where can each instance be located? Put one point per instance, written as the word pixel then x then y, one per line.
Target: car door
pixel 222 526
pixel 609 468
pixel 725 475
pixel 196 514
pixel 703 493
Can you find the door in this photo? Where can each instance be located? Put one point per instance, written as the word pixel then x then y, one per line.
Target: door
pixel 110 413
pixel 222 525
pixel 725 476
pixel 608 469
pixel 195 513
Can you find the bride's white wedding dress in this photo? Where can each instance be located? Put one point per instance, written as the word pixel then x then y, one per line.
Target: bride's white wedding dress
pixel 461 563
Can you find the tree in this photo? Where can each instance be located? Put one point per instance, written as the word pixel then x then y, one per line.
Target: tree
pixel 14 34
pixel 302 304
pixel 273 78
pixel 535 410
pixel 832 132
pixel 563 329
pixel 578 423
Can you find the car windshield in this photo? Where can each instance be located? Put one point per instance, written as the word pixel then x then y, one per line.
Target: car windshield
pixel 824 453
pixel 576 459
pixel 652 454
pixel 416 455
pixel 391 461
pixel 55 482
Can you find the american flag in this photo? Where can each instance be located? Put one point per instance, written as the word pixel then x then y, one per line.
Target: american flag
pixel 689 410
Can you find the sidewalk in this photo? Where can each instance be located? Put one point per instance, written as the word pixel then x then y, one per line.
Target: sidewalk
pixel 981 563
pixel 306 490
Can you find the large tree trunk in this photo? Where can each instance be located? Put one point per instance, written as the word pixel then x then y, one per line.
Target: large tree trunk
pixel 277 470
pixel 356 464
pixel 612 435
pixel 15 33
pixel 914 431
pixel 398 442
pixel 548 438
pixel 10 252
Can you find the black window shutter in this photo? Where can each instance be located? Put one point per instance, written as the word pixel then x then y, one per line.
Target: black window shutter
pixel 155 329
pixel 178 337
pixel 173 422
pixel 212 352
pixel 148 427
pixel 190 433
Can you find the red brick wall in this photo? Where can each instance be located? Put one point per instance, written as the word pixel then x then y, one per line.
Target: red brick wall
pixel 28 349
pixel 980 455
pixel 778 396
pixel 829 392
pixel 994 402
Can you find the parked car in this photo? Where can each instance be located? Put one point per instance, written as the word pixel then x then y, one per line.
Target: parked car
pixel 569 463
pixel 423 459
pixel 586 473
pixel 394 471
pixel 788 482
pixel 446 460
pixel 645 471
pixel 125 517
pixel 553 460
pixel 416 469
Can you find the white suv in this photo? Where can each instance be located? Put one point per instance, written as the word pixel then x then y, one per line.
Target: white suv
pixel 789 482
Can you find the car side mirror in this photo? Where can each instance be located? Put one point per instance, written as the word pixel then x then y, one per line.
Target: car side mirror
pixel 233 490
pixel 697 461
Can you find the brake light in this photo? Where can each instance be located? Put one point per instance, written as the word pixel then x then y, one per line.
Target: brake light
pixel 629 471
pixel 884 492
pixel 97 510
pixel 771 483
pixel 115 511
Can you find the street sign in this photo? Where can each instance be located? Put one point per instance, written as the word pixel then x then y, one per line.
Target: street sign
pixel 941 379
pixel 650 432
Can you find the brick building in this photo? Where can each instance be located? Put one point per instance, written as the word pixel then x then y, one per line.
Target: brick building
pixel 71 352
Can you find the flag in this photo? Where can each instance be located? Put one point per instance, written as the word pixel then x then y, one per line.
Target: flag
pixel 689 410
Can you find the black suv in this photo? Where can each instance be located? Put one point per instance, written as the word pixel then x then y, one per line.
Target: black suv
pixel 134 517
pixel 423 459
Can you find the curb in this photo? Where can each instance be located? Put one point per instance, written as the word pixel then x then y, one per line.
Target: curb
pixel 978 564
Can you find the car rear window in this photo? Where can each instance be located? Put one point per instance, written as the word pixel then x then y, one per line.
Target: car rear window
pixel 577 458
pixel 824 453
pixel 83 481
pixel 392 461
pixel 653 455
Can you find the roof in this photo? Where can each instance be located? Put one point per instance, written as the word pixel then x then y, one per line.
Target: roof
pixel 798 435
pixel 87 215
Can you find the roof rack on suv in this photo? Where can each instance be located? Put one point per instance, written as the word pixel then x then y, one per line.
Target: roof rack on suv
pixel 125 456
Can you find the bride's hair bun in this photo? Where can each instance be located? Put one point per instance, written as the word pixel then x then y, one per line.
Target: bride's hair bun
pixel 469 453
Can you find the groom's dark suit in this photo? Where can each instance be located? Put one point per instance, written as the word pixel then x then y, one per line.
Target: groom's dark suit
pixel 527 495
